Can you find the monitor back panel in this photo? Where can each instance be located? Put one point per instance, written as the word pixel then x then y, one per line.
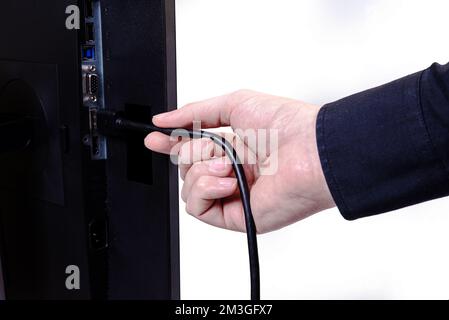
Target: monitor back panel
pixel 56 203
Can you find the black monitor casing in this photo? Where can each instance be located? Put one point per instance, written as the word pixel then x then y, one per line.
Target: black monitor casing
pixel 115 219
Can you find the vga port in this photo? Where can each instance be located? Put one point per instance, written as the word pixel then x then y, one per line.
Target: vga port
pixel 92 84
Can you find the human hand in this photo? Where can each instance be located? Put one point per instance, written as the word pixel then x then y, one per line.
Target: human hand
pixel 295 191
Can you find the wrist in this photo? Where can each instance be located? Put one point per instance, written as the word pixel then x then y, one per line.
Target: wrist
pixel 326 200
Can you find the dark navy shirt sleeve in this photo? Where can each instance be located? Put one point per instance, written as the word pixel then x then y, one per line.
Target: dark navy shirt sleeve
pixel 387 147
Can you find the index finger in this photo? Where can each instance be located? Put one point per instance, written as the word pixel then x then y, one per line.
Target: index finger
pixel 211 113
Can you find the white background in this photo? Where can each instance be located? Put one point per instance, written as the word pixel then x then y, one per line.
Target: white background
pixel 317 51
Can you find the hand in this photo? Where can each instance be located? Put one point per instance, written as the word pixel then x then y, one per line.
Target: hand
pixel 295 191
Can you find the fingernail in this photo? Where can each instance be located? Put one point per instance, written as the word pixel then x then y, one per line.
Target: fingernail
pixel 217 165
pixel 227 182
pixel 146 141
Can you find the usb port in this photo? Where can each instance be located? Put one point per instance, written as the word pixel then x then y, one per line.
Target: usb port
pixel 92 84
pixel 90 32
pixel 89 8
pixel 88 53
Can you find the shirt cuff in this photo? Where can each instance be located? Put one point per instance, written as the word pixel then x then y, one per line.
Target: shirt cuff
pixel 376 148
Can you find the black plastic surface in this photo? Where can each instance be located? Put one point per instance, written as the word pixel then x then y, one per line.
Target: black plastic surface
pixel 139 48
pixel 122 234
pixel 41 236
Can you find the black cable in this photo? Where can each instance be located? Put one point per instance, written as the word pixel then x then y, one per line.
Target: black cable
pixel 108 121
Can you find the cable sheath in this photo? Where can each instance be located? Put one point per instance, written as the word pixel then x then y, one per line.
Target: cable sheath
pixel 251 232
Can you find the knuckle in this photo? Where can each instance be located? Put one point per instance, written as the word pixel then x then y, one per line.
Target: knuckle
pixel 184 193
pixel 189 208
pixel 202 183
pixel 196 170
pixel 240 96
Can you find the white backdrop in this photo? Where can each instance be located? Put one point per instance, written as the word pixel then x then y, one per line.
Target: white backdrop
pixel 318 51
